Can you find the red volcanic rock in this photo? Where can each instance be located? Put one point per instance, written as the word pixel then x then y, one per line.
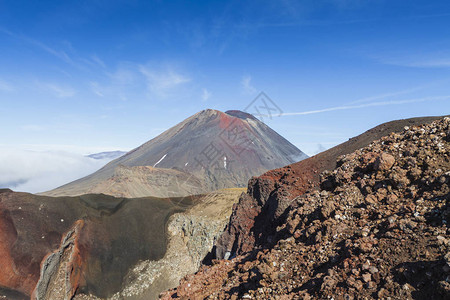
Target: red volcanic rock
pixel 57 247
pixel 384 162
pixel 331 242
pixel 77 261
pixel 271 193
pixel 241 220
pixel 62 271
pixel 10 275
pixel 200 287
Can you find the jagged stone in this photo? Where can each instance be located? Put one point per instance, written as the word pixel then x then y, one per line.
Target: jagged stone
pixel 394 246
pixel 384 162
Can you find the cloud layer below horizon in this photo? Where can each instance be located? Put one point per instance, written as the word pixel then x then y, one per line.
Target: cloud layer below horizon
pixel 35 172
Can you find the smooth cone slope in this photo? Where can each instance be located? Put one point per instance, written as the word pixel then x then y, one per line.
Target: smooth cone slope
pixel 208 151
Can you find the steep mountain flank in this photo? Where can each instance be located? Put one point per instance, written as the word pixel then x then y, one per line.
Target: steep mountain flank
pixel 208 151
pixel 375 227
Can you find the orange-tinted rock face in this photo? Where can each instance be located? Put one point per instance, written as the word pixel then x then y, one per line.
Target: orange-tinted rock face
pixel 7 236
pixel 64 263
pixel 77 261
pixel 225 121
pixel 254 217
pixel 257 214
pixel 10 275
pixel 92 240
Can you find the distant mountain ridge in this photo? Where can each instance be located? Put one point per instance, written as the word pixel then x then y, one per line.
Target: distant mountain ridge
pixel 208 151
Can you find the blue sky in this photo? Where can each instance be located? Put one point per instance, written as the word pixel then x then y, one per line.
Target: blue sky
pixel 87 76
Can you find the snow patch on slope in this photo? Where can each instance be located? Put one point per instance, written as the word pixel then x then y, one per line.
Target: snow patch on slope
pixel 160 160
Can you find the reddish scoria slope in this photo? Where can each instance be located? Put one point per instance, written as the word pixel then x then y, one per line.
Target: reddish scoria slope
pixel 255 217
pixel 376 229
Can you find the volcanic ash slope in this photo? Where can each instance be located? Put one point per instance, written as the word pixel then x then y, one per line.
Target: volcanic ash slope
pixel 208 151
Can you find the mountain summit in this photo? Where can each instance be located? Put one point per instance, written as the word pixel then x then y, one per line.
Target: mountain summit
pixel 207 151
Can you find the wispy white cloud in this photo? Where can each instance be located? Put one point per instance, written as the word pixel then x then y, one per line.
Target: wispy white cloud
pixel 123 76
pixel 320 148
pixel 431 63
pixel 6 86
pixel 372 104
pixel 418 59
pixel 71 59
pixel 383 96
pixel 130 81
pixel 313 148
pixel 430 16
pixel 398 93
pixel 97 89
pixel 57 53
pixel 206 95
pixel 60 91
pixel 289 7
pixel 77 149
pixel 246 83
pixel 162 81
pixel 442 82
pixel 98 61
pixel 118 83
pixel 419 62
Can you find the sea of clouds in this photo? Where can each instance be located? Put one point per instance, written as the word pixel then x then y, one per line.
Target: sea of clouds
pixel 39 171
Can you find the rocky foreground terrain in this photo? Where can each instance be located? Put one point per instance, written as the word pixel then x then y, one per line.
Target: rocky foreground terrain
pixel 375 227
pixel 259 212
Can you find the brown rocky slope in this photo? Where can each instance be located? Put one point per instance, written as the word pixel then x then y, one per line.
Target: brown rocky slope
pixel 375 228
pixel 255 218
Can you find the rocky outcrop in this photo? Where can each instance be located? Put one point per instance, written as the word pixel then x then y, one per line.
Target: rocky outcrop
pixel 9 275
pixel 191 235
pixel 100 246
pixel 61 271
pixel 254 220
pixel 58 247
pixel 190 240
pixel 375 227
